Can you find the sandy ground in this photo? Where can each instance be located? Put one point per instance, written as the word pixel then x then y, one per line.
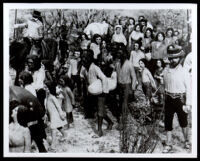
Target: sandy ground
pixel 82 137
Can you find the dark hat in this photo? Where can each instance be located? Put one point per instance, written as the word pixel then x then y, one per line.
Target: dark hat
pixel 173 52
pixel 36 14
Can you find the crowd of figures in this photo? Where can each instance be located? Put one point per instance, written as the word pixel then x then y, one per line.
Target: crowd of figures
pixel 92 71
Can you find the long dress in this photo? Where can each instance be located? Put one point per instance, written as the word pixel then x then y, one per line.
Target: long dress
pixel 54 110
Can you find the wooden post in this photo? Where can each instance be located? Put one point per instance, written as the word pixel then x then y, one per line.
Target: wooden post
pixel 14 35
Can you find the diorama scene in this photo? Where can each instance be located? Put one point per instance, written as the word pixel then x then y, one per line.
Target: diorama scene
pixel 100 81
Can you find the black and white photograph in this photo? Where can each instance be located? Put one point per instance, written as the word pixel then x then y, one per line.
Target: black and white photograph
pixel 100 80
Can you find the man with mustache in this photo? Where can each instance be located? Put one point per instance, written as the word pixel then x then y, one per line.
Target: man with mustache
pixel 177 96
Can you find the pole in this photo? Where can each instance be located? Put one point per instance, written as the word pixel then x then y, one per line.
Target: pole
pixel 14 34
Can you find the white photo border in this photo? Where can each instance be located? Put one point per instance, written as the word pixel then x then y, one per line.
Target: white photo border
pixel 8 6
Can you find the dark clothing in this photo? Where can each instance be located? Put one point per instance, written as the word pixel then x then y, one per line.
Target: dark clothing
pixel 38 134
pixel 174 105
pixel 101 106
pixel 147 88
pixel 69 117
pixel 124 91
pixel 76 81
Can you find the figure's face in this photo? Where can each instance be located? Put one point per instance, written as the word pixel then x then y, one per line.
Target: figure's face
pixel 141 64
pixel 98 40
pixel 14 112
pixel 46 89
pixel 21 82
pixel 159 63
pixel 83 37
pixel 118 30
pixel 77 54
pixel 61 82
pixel 143 23
pixel 138 28
pixel 131 21
pixel 169 33
pixel 30 64
pixel 148 33
pixel 136 46
pixel 160 37
pixel 174 62
pixel 175 33
pixel 103 43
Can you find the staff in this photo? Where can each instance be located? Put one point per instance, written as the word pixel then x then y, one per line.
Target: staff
pixel 15 22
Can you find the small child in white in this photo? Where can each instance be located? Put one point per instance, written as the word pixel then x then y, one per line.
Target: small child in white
pixel 68 101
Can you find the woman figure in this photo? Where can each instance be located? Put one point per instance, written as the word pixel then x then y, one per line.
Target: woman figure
pixel 56 115
pixel 84 41
pixel 95 45
pixel 131 25
pixel 68 101
pixel 19 134
pixel 135 36
pixel 146 42
pixel 148 82
pixel 105 54
pixel 118 35
pixel 136 55
pixel 169 36
pixel 176 35
pixel 26 81
pixel 159 50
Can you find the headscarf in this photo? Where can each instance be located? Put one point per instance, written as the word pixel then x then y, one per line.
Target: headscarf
pixel 119 37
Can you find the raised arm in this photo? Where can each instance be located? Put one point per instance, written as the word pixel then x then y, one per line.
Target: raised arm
pixel 21 25
pixel 133 77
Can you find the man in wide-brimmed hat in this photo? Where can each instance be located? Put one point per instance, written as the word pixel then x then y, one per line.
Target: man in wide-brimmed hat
pixel 34 26
pixel 177 96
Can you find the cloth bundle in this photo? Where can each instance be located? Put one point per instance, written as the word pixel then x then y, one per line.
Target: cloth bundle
pixel 96 87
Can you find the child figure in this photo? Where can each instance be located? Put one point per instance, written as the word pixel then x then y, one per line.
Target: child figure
pixel 68 101
pixel 73 71
pixel 158 75
pixel 147 80
pixel 56 115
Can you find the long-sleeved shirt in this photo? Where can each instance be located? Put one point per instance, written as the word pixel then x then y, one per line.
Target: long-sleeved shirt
pixel 159 50
pixel 177 80
pixel 126 73
pixel 135 57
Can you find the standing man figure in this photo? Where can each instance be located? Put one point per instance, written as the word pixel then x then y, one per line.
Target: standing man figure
pixel 127 81
pixel 33 31
pixel 177 96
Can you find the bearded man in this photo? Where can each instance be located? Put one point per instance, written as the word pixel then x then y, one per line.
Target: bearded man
pixel 177 96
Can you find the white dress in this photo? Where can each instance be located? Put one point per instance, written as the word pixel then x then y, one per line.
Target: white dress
pixel 54 109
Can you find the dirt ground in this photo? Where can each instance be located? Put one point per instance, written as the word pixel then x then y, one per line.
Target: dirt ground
pixel 82 138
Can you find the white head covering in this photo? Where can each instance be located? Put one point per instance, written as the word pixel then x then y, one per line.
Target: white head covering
pixel 119 37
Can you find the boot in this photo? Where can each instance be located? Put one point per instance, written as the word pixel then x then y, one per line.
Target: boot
pixel 110 123
pixel 100 121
